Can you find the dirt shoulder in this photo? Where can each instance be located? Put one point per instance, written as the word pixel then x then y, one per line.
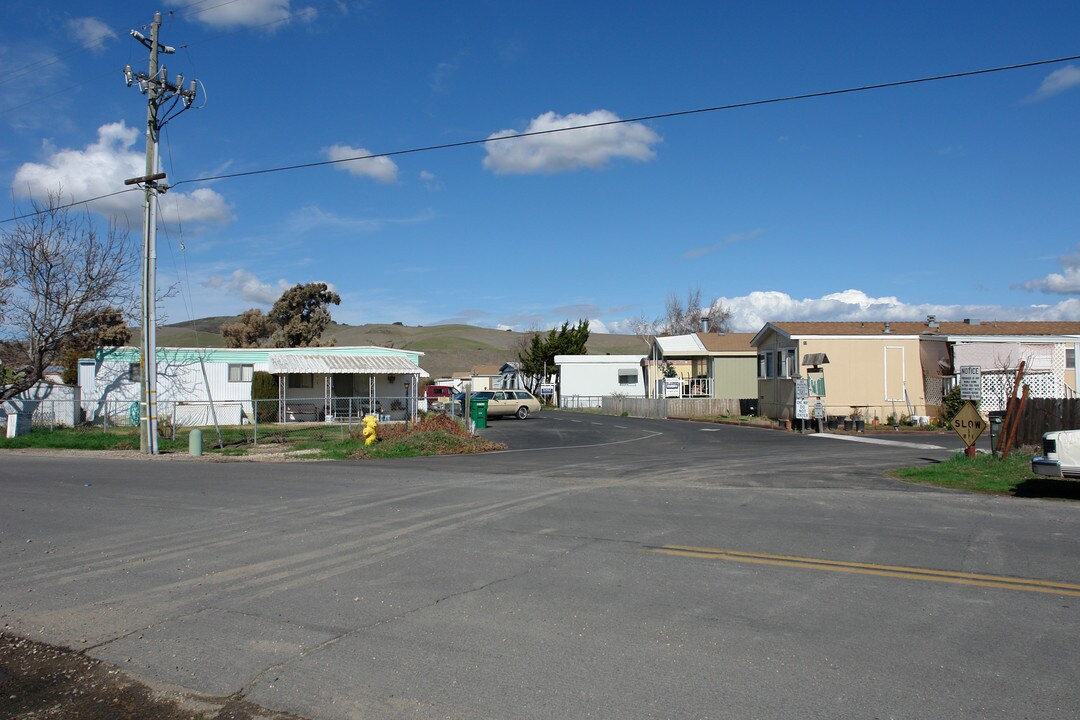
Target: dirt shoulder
pixel 260 453
pixel 42 682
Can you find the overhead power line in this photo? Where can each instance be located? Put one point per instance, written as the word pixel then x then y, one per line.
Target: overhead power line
pixel 641 118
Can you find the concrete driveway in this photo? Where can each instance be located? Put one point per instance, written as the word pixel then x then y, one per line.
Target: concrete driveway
pixel 602 567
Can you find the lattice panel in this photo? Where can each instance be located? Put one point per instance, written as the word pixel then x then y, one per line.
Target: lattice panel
pixel 996 388
pixel 934 386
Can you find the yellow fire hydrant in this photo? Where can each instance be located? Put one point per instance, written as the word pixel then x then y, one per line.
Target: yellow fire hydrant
pixel 370 422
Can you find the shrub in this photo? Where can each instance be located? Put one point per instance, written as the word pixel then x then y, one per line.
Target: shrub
pixel 264 389
pixel 951 404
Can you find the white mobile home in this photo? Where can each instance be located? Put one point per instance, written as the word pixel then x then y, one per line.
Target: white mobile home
pixel 312 383
pixel 585 379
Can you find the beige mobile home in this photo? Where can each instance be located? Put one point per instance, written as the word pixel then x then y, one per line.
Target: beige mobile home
pixel 876 369
pixel 869 369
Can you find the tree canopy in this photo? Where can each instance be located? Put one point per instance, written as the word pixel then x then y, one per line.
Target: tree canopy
pixel 250 330
pixel 302 314
pixel 537 357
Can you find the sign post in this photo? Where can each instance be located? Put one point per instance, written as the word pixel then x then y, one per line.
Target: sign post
pixel 802 401
pixel 969 425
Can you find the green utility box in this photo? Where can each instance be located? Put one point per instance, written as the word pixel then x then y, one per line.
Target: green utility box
pixel 478 412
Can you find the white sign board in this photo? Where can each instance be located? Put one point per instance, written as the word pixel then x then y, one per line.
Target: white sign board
pixel 672 387
pixel 547 389
pixel 802 409
pixel 802 388
pixel 971 383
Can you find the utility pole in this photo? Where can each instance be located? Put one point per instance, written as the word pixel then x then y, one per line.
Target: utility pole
pixel 156 86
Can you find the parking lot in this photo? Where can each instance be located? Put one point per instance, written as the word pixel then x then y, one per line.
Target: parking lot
pixel 600 567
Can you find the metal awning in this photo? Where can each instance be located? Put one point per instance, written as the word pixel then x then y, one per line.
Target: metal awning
pixel 290 364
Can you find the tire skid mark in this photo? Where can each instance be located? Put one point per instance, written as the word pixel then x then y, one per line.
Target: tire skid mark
pixel 290 571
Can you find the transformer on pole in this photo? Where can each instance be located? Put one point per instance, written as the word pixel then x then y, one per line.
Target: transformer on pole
pixel 156 86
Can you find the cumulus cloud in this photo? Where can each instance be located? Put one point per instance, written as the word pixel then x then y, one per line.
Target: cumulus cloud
pixel 1066 282
pixel 268 14
pixel 101 168
pixel 590 147
pixel 91 33
pixel 382 169
pixel 750 312
pixel 248 286
pixel 1057 82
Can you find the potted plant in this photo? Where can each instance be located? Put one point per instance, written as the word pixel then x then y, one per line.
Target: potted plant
pixel 857 418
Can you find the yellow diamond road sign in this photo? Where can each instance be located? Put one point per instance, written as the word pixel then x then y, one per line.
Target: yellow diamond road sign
pixel 968 423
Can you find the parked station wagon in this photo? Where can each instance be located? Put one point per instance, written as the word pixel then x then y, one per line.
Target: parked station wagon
pixel 502 403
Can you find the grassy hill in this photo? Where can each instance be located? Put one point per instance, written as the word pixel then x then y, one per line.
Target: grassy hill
pixel 447 348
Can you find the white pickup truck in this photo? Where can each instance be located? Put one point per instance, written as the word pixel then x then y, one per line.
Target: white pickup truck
pixel 1061 455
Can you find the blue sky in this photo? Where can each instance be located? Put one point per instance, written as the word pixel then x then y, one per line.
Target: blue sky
pixel 959 198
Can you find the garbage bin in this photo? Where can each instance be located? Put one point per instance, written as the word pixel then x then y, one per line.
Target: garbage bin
pixel 997 418
pixel 478 408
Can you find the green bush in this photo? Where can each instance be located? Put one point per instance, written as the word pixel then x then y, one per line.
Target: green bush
pixel 264 388
pixel 951 404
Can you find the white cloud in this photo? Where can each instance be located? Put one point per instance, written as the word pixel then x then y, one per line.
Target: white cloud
pixel 268 14
pixel 430 180
pixel 590 147
pixel 729 240
pixel 101 168
pixel 248 287
pixel 91 33
pixel 1066 282
pixel 312 217
pixel 382 169
pixel 749 313
pixel 1057 82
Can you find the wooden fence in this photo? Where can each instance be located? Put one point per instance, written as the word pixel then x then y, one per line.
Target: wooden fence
pixel 673 407
pixel 1042 415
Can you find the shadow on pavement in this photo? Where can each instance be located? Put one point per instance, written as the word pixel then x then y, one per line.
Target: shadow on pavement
pixel 1048 488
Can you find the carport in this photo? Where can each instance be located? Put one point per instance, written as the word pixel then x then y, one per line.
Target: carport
pixel 343 377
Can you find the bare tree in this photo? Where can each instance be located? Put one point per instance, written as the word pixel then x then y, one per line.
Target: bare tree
pixel 249 330
pixel 62 276
pixel 685 318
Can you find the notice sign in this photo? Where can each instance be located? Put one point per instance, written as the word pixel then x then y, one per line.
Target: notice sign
pixel 971 383
pixel 968 423
pixel 802 409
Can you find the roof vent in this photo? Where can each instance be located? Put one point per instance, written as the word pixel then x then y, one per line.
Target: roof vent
pixel 888 327
pixel 705 324
pixel 931 321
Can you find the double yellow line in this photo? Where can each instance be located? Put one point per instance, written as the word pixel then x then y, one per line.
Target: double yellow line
pixel 895 571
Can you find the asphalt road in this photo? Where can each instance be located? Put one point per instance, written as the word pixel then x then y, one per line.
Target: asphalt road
pixel 600 568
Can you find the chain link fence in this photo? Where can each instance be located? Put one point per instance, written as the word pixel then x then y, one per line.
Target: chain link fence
pixel 248 420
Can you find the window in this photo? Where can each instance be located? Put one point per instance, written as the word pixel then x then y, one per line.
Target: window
pixel 765 364
pixel 776 363
pixel 301 380
pixel 786 362
pixel 628 376
pixel 1070 358
pixel 135 372
pixel 241 373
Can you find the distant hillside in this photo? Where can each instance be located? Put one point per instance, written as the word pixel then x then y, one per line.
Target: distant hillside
pixel 447 348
